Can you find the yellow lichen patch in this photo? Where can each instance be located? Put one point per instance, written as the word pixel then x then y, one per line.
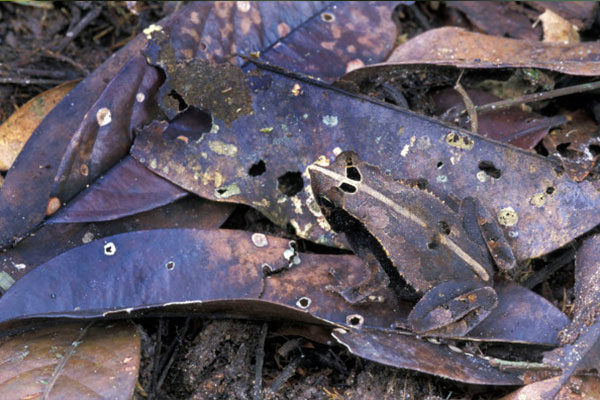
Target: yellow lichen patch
pixel 223 149
pixel 227 191
pixel 301 232
pixel 103 116
pixel 53 205
pixel 508 217
pixel 296 89
pixel 262 203
pixel 538 199
pixel 322 161
pixel 481 176
pixel 214 176
pixel 459 141
pixel 423 143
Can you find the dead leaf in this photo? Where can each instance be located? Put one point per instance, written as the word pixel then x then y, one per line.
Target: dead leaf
pixel 287 133
pixel 460 48
pixel 557 29
pixel 587 388
pixel 17 129
pixel 53 239
pixel 82 360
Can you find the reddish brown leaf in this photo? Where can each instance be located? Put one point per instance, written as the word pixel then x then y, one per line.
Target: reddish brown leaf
pixel 463 49
pixel 75 360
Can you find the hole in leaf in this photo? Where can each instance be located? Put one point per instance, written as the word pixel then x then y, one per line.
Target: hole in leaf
pixel 303 302
pixel 444 227
pixel 202 46
pixel 594 149
pixel 327 17
pixel 346 187
pixel 432 245
pixel 352 173
pixel 354 320
pixel 490 169
pixel 257 168
pixel 170 265
pixel 439 165
pixel 190 124
pixel 563 149
pixel 422 183
pixel 550 189
pixel 221 190
pixel 290 183
pixel 181 104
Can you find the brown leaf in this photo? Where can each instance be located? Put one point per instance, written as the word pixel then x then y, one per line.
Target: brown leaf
pixel 576 144
pixel 17 129
pixel 557 29
pixel 460 48
pixel 586 388
pixel 74 360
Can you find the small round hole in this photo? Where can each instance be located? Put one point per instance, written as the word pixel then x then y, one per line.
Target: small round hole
pixel 327 17
pixel 355 320
pixel 490 169
pixel 550 189
pixel 110 249
pixel 439 165
pixel 353 173
pixel 346 187
pixel 422 183
pixel 257 168
pixel 202 46
pixel 303 302
pixel 170 265
pixel 444 227
pixel 432 245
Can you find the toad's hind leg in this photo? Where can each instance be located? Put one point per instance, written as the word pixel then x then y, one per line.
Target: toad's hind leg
pixel 452 309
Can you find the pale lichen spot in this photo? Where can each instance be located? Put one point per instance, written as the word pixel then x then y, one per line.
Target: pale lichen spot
pixel 204 155
pixel 330 120
pixel 296 89
pixel 354 64
pixel 283 29
pixel 6 281
pixel 337 151
pixel 459 141
pixel 328 45
pixel 140 97
pixel 305 116
pixel 423 143
pixel 441 179
pixel 103 116
pixel 538 199
pixel 259 240
pixel 165 169
pixel 508 217
pixel 153 163
pixel 481 176
pixel 262 203
pixel 224 149
pixel 151 29
pixel 227 191
pixel 322 161
pixel 87 237
pixel 195 17
pixel 214 128
pixel 20 266
pixel 52 206
pixel 243 6
pixel 297 203
pixel 404 151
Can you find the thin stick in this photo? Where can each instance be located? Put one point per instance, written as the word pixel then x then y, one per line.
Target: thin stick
pixel 468 104
pixel 260 358
pixel 72 34
pixel 24 81
pixel 533 97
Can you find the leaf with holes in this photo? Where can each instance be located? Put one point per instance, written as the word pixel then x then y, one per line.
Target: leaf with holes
pixel 53 239
pixel 107 107
pixel 74 360
pixel 285 133
pixel 233 273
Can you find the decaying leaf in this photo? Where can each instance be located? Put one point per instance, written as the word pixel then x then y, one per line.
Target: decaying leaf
pixel 82 360
pixel 128 188
pixel 576 144
pixel 557 29
pixel 53 239
pixel 231 273
pixel 110 104
pixel 460 48
pixel 17 129
pixel 285 133
pixel 587 388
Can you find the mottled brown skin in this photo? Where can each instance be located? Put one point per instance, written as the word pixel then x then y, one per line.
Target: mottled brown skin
pixel 433 248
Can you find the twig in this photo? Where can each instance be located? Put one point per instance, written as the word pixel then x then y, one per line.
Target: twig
pixel 533 97
pixel 68 60
pixel 286 374
pixel 260 358
pixel 72 33
pixel 36 72
pixel 157 350
pixel 18 80
pixel 173 350
pixel 550 268
pixel 468 104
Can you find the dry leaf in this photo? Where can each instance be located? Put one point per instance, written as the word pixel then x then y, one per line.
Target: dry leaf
pixel 71 361
pixel 557 29
pixel 17 129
